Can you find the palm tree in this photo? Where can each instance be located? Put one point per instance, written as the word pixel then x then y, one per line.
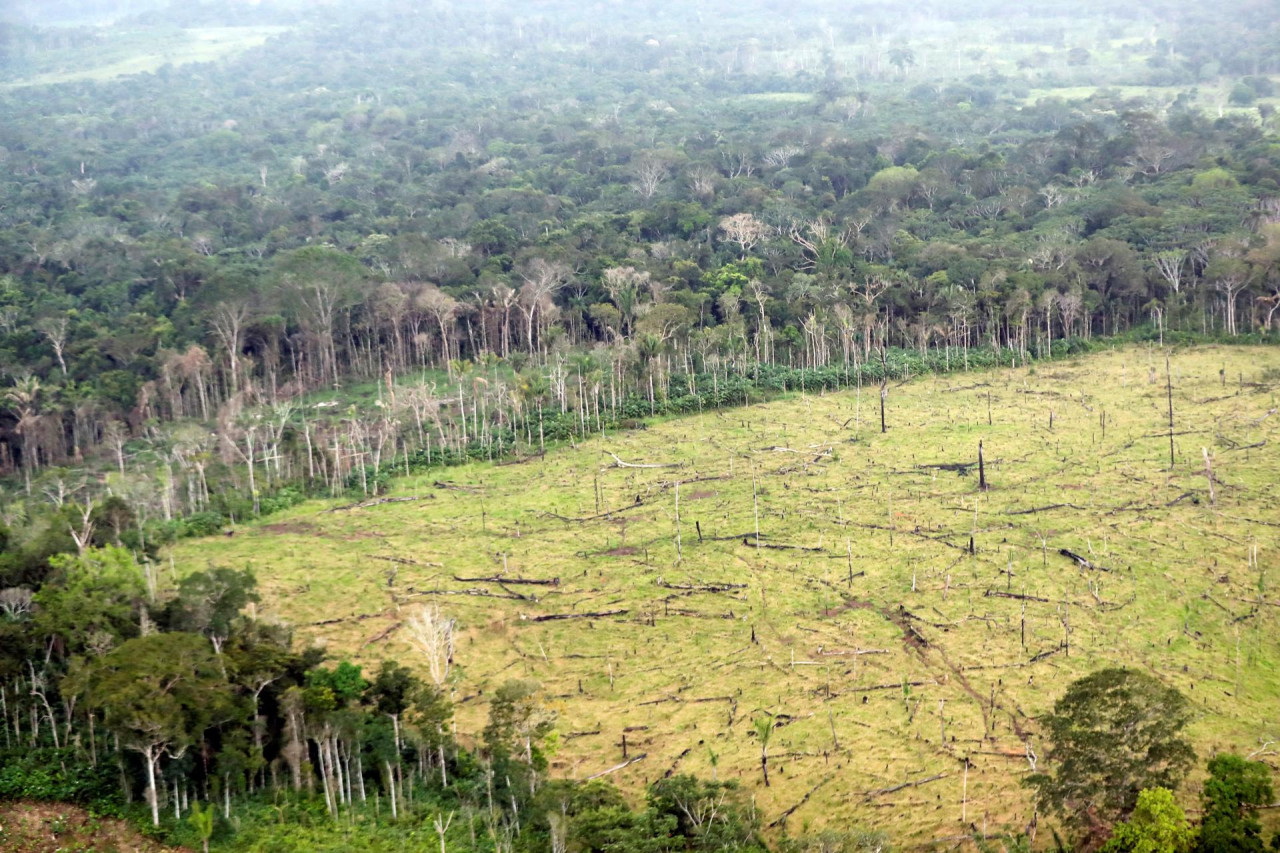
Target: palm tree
pixel 764 731
pixel 23 399
pixel 902 58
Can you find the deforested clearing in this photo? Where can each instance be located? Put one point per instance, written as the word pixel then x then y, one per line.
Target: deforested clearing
pixel 905 625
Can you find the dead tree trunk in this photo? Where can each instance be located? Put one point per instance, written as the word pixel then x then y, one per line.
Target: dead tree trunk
pixel 1168 374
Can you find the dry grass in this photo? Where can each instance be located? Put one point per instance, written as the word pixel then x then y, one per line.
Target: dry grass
pixel 1182 598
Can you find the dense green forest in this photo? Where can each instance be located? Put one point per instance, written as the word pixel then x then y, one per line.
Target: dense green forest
pixel 368 238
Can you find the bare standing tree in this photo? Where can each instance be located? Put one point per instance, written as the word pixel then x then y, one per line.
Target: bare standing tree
pixel 743 229
pixel 442 826
pixel 442 307
pixel 1230 276
pixel 1171 264
pixel 229 320
pixel 433 634
pixel 737 163
pixel 782 156
pixel 542 278
pixel 15 602
pixel 649 173
pixel 83 534
pixel 55 329
pixel 703 182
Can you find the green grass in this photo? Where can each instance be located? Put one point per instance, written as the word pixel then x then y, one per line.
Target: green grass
pixel 122 53
pixel 1184 599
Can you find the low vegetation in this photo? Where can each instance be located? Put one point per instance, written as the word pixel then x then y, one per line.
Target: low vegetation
pixel 903 627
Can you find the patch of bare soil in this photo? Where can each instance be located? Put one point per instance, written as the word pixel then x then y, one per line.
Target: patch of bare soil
pixel 54 827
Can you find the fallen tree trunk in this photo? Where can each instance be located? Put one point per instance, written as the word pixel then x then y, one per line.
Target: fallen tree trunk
pixel 521 460
pixel 1035 509
pixel 1047 653
pixel 1083 563
pixel 479 593
pixel 572 735
pixel 378 502
pixel 747 541
pixel 674 764
pixel 782 818
pixel 995 593
pixel 381 635
pixel 511 580
pixel 617 767
pixel 895 686
pixel 551 617
pixel 869 795
pixel 596 517
pixel 338 621
pixel 707 587
pixel 618 463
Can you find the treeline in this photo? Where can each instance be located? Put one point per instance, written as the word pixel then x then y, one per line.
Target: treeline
pixel 183 711
pixel 185 479
pixel 226 287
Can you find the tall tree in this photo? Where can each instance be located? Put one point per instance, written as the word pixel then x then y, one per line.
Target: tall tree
pixel 1112 734
pixel 158 693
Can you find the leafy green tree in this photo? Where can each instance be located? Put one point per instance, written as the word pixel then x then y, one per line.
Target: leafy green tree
pixel 1233 792
pixel 158 693
pixel 1157 825
pixel 209 601
pixel 393 688
pixel 708 815
pixel 93 601
pixel 201 820
pixel 902 58
pixel 1112 734
pixel 518 719
pixel 344 683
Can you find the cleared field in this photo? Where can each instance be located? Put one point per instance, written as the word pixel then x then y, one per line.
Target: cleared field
pixel 903 624
pixel 179 47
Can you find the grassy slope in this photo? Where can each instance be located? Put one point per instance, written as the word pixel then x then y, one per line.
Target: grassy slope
pixel 126 52
pixel 680 668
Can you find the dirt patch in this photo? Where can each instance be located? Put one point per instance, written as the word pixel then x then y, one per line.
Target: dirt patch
pixel 50 827
pixel 284 527
pixel 621 551
pixel 701 495
pixel 849 604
